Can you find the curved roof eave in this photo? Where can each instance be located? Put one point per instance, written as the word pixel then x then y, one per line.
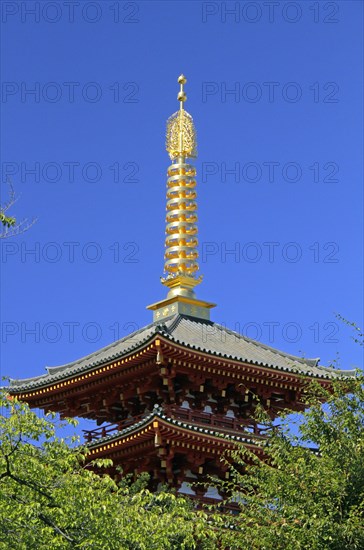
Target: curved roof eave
pixel 173 330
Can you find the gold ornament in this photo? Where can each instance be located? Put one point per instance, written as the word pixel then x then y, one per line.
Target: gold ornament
pixel 181 133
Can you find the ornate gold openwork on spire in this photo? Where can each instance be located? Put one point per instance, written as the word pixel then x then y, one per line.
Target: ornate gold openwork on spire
pixel 181 254
pixel 181 132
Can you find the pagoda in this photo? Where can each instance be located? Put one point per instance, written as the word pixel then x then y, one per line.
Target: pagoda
pixel 171 398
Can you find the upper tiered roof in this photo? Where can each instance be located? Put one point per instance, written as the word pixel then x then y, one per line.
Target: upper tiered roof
pixel 191 333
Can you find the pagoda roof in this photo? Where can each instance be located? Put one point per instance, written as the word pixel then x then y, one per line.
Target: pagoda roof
pixel 191 333
pixel 139 428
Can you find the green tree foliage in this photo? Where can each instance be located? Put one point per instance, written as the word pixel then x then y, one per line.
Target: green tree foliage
pixel 308 491
pixel 50 499
pixel 6 221
pixel 10 226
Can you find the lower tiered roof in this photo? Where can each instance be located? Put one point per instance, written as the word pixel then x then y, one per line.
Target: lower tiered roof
pixel 189 434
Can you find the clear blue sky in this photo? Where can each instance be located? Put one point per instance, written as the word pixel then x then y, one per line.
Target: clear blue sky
pixel 104 81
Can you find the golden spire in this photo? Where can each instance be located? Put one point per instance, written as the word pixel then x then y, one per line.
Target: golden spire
pixel 181 242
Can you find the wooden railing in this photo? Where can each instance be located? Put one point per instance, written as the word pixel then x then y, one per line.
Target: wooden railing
pixel 107 429
pixel 217 420
pixel 188 415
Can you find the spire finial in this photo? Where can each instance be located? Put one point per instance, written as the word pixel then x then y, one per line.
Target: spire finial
pixel 182 97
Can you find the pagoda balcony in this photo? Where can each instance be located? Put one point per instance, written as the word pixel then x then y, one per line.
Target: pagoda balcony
pixel 108 429
pixel 230 424
pixel 227 424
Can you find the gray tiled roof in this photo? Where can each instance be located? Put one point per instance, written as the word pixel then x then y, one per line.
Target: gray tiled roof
pixel 158 412
pixel 191 333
